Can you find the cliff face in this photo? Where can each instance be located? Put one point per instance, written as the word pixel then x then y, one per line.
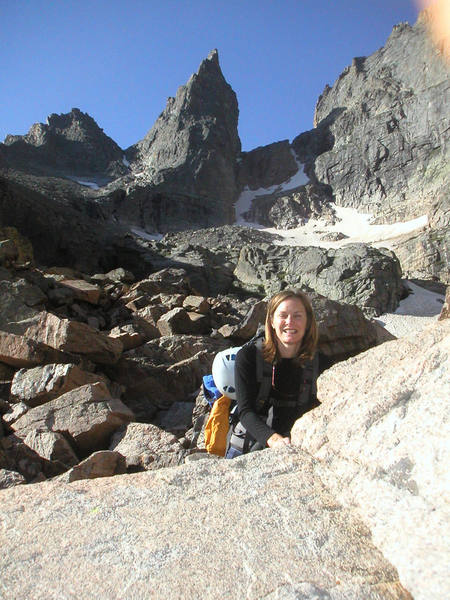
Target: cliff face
pixel 387 116
pixel 193 147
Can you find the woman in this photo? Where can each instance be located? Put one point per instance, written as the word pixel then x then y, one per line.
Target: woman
pixel 288 351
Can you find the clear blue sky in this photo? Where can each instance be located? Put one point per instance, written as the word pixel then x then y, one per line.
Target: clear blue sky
pixel 120 60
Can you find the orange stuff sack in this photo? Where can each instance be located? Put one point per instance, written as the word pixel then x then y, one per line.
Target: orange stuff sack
pixel 216 428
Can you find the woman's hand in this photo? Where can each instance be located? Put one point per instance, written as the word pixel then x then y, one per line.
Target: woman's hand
pixel 278 441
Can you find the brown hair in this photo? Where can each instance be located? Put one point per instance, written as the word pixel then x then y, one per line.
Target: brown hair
pixel 309 342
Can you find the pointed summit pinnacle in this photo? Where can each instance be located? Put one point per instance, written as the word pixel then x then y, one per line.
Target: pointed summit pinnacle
pixel 213 56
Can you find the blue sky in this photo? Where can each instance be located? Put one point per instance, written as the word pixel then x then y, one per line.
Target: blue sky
pixel 120 60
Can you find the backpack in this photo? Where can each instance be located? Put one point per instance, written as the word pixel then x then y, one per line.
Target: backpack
pixel 223 429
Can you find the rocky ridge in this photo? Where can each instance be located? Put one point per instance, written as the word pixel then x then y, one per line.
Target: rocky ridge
pixel 68 145
pixel 379 144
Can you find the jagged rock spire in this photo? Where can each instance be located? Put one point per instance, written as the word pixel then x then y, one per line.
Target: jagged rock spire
pixel 194 144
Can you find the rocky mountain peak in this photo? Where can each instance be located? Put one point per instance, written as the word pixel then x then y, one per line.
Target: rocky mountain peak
pixel 194 144
pixel 213 55
pixel 74 125
pixel 386 119
pixel 68 144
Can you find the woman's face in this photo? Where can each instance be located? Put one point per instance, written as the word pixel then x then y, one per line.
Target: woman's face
pixel 289 322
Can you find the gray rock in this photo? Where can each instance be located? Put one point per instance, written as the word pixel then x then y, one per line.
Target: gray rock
pixel 67 225
pixel 10 479
pixel 343 329
pixel 27 461
pixel 120 274
pixel 386 120
pixel 167 280
pixel 147 447
pixel 20 300
pixel 164 371
pixel 380 435
pixel 267 166
pixel 229 239
pixel 195 436
pixel 15 412
pixel 177 419
pixel 425 255
pixel 67 145
pixel 190 152
pixel 42 384
pixel 354 274
pixel 288 210
pixel 158 526
pixel 445 312
pixel 248 327
pixel 333 236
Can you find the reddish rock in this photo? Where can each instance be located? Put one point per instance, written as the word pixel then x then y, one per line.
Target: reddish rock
pixel 52 446
pixel 197 304
pixel 88 414
pixel 129 336
pixel 103 463
pixel 73 336
pixel 175 321
pixel 82 290
pixel 42 384
pixel 18 351
pixel 148 447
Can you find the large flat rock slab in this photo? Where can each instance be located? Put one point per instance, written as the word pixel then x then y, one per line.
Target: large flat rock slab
pixel 382 435
pixel 260 526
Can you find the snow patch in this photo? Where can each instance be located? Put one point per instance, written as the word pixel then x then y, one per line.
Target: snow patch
pixel 124 161
pixel 356 226
pixel 415 312
pixel 244 201
pixel 89 184
pixel 145 235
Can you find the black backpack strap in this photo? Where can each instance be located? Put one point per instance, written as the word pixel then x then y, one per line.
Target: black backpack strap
pixel 308 388
pixel 264 374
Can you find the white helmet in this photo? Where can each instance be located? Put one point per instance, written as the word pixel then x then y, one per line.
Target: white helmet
pixel 223 371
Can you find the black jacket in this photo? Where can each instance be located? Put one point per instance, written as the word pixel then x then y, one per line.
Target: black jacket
pixel 286 382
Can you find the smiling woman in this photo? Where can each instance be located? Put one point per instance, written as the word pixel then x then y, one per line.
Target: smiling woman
pixel 276 379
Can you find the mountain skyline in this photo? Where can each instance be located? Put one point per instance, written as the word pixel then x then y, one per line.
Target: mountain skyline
pixel 119 64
